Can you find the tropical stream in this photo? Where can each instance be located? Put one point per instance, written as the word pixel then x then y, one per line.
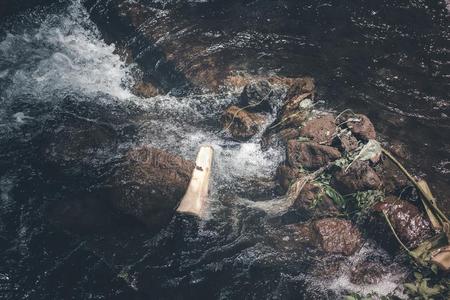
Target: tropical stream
pixel 387 59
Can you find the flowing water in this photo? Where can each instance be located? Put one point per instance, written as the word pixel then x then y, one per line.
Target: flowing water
pixel 56 70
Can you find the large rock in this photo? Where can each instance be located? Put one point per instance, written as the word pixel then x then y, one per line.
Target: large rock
pixel 362 127
pixel 148 184
pixel 330 235
pixel 241 123
pixel 394 181
pixel 299 86
pixel 336 236
pixel 310 155
pixel 75 148
pixel 287 175
pixel 312 201
pixel 257 95
pixel 293 114
pixel 410 225
pixel 359 177
pixel 346 142
pixel 321 130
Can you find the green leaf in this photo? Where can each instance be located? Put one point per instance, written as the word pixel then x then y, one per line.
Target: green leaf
pixel 335 196
pixel 411 287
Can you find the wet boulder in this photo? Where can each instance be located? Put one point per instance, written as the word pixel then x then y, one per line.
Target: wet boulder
pixel 313 201
pixel 336 236
pixel 287 175
pixel 410 225
pixel 330 235
pixel 296 105
pixel 361 126
pixel 76 147
pixel 257 96
pixel 84 213
pixel 346 142
pixel 241 123
pixel 310 155
pixel 394 181
pixel 148 185
pixel 321 130
pixel 359 177
pixel 300 86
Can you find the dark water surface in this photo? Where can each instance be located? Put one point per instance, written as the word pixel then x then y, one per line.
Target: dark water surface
pixel 388 59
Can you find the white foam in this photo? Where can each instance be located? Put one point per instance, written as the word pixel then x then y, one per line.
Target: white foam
pixel 63 55
pixel 389 284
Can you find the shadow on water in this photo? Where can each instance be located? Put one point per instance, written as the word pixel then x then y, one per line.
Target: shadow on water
pixel 59 81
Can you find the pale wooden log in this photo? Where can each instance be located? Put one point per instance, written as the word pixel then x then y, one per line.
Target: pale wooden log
pixel 197 192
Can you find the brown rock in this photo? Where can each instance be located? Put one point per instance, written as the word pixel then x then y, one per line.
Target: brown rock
pixel 291 114
pixel 310 155
pixel 241 123
pixel 300 86
pixel 313 201
pixel 320 130
pixel 336 236
pixel 148 184
pixel 287 175
pixel 362 127
pixel 347 143
pixel 409 223
pixel 289 134
pixel 394 181
pixel 359 177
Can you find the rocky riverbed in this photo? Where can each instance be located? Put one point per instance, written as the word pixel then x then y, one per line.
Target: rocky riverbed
pixel 104 105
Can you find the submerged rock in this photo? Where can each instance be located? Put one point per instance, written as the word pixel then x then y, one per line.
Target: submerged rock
pixel 148 185
pixel 310 155
pixel 242 124
pixel 321 130
pixel 336 236
pixel 366 272
pixel 82 214
pixel 410 225
pixel 78 146
pixel 145 89
pixel 359 177
pixel 258 96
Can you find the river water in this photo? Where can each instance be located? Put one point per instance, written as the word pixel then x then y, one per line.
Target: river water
pixel 391 63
